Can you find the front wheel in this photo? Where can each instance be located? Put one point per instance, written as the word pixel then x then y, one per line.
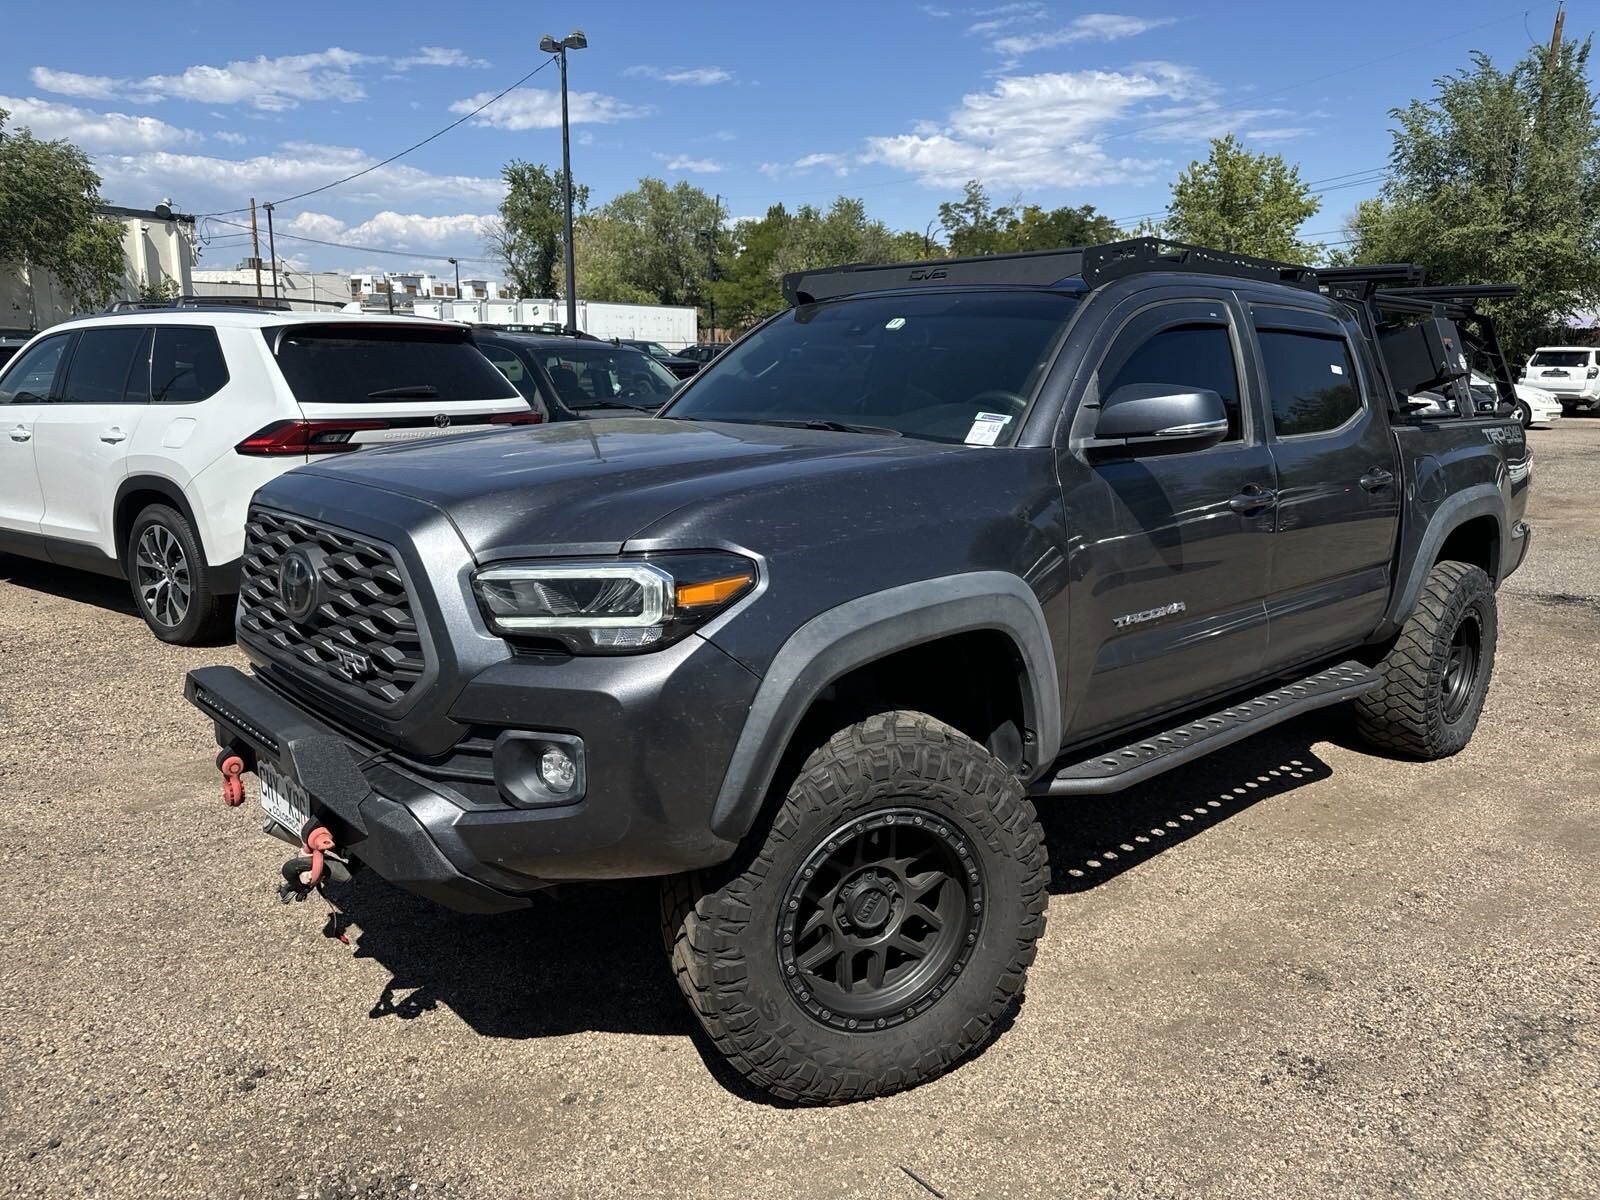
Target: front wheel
pixel 882 927
pixel 1524 414
pixel 167 571
pixel 1437 673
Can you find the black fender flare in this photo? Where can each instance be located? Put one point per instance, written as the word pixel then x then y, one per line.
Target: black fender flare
pixel 1479 500
pixel 865 629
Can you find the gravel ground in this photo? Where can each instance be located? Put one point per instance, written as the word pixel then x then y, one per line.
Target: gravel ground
pixel 1291 969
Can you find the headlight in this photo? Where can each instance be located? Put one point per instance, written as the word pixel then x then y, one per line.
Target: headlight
pixel 612 605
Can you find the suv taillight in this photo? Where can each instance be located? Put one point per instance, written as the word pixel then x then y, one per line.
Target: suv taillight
pixel 1593 372
pixel 517 418
pixel 305 437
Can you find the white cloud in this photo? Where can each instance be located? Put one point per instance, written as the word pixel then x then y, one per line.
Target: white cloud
pixel 1006 16
pixel 935 11
pixel 70 83
pixel 439 56
pixel 693 76
pixel 839 164
pixel 203 182
pixel 697 166
pixel 50 119
pixel 1041 130
pixel 393 230
pixel 1091 27
pixel 536 108
pixel 1205 119
pixel 268 84
pixel 231 138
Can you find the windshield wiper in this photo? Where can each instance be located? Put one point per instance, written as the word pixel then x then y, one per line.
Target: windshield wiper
pixel 615 404
pixel 834 426
pixel 415 391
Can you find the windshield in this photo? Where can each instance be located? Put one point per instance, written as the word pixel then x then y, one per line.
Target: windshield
pixel 335 365
pixel 947 367
pixel 590 376
pixel 1559 358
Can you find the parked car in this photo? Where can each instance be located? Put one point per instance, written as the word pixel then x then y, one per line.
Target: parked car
pixel 683 368
pixel 703 352
pixel 1534 406
pixel 1570 373
pixel 808 645
pixel 132 442
pixel 571 379
pixel 12 340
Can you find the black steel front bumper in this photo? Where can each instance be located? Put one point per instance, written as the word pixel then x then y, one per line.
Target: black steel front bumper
pixel 657 736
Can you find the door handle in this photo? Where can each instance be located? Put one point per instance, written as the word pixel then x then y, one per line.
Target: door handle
pixel 113 435
pixel 1377 478
pixel 1252 498
pixel 20 434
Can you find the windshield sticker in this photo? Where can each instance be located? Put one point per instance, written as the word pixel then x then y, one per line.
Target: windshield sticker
pixel 895 323
pixel 986 428
pixel 1336 368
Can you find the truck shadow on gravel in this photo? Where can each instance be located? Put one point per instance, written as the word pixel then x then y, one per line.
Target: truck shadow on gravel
pixel 590 958
pixel 81 587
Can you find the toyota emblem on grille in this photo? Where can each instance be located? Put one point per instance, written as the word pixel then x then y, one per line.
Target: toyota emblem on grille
pixel 442 420
pixel 297 585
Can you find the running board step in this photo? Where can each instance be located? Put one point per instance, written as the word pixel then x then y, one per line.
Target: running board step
pixel 1117 769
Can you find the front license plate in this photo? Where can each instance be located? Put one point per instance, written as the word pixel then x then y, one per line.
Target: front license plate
pixel 282 799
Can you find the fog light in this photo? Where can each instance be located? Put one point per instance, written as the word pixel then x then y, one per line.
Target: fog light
pixel 557 769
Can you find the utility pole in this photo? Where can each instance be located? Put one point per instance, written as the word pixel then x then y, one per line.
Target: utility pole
pixel 1553 57
pixel 711 268
pixel 272 249
pixel 1555 34
pixel 255 246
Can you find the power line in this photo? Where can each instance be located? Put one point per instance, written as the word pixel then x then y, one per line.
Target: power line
pixel 413 254
pixel 393 157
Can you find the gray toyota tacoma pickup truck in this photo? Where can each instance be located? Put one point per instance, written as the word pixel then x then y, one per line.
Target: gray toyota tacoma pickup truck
pixel 938 542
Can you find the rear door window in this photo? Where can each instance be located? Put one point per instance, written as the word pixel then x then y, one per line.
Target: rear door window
pixel 1311 381
pixel 186 364
pixel 103 364
pixel 332 365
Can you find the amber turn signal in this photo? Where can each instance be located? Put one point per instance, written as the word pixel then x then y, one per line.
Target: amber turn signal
pixel 710 591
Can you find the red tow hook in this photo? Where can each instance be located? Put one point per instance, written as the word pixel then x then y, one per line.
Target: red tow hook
pixel 318 841
pixel 232 767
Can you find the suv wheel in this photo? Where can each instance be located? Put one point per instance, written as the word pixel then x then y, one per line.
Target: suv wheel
pixel 167 571
pixel 1436 674
pixel 883 926
pixel 1524 414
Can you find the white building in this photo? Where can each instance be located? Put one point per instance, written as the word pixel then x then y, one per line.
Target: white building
pixel 158 254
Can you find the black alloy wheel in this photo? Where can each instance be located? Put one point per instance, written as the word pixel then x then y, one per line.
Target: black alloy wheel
pixel 1461 666
pixel 880 919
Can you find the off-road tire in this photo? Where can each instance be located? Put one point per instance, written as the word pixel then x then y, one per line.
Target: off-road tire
pixel 1410 714
pixel 208 617
pixel 721 927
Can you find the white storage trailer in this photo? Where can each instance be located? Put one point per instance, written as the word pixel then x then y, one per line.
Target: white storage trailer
pixel 673 326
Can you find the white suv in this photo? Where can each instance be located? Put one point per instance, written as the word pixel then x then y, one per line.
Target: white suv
pixel 1570 372
pixel 131 443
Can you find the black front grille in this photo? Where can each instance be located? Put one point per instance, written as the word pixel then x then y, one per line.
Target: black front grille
pixel 361 637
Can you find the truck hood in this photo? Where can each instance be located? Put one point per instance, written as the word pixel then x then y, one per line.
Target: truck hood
pixel 586 487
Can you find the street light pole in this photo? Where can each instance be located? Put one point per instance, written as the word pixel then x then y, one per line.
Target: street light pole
pixel 573 41
pixel 457 266
pixel 272 250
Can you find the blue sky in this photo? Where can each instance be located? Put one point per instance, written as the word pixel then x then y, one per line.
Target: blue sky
pixel 895 102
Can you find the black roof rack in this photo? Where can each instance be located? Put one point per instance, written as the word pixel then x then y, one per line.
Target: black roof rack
pixel 205 302
pixel 1076 268
pixel 542 328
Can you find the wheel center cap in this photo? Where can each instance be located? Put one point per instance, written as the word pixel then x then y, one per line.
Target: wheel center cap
pixel 869 908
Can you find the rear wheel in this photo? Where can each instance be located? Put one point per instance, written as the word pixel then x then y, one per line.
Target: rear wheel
pixel 881 928
pixel 167 572
pixel 1437 673
pixel 1524 414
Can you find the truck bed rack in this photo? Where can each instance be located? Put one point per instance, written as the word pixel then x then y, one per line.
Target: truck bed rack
pixel 1077 269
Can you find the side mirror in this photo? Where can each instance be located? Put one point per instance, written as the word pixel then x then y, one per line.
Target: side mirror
pixel 1162 414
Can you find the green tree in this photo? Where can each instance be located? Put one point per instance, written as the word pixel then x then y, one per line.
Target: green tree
pixel 527 238
pixel 656 243
pixel 49 216
pixel 1244 202
pixel 972 225
pixel 1495 179
pixel 748 289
